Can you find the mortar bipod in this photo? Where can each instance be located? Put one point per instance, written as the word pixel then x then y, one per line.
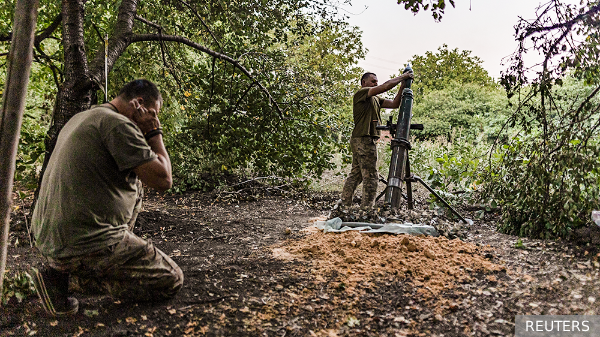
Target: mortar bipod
pixel 410 178
pixel 413 178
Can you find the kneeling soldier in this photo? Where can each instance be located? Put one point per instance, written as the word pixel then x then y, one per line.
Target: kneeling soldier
pixel 89 200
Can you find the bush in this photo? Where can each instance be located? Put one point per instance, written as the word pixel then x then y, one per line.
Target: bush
pixel 36 120
pixel 546 177
pixel 475 108
pixel 18 286
pixel 545 194
pixel 452 168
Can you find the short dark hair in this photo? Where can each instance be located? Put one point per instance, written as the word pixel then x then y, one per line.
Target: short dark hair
pixel 365 76
pixel 141 88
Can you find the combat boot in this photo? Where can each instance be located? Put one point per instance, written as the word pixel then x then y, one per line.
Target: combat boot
pixel 52 287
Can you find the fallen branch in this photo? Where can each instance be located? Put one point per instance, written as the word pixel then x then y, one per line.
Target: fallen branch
pixel 212 300
pixel 212 237
pixel 481 207
pixel 255 179
pixel 258 188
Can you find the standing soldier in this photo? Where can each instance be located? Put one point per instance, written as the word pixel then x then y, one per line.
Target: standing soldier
pixel 366 113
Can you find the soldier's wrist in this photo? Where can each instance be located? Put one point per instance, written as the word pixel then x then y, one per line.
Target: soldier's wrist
pixel 153 133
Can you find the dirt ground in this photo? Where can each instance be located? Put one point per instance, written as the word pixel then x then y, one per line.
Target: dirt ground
pixel 254 267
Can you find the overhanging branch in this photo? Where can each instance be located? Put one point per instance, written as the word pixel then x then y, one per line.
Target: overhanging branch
pixel 192 44
pixel 47 32
pixel 148 22
pixel 44 34
pixel 162 47
pixel 530 31
pixel 203 23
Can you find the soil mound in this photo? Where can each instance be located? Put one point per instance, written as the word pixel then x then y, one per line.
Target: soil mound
pixel 433 264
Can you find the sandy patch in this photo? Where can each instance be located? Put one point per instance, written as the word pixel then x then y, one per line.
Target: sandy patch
pixel 433 264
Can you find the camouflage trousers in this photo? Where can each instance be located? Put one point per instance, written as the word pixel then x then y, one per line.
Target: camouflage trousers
pixel 364 169
pixel 131 270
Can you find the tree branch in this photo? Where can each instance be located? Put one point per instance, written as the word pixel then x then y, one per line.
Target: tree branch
pixel 530 31
pixel 47 32
pixel 237 104
pixel 44 34
pixel 117 43
pixel 203 23
pixel 192 44
pixel 98 32
pixel 162 46
pixel 55 70
pixel 171 64
pixel 148 22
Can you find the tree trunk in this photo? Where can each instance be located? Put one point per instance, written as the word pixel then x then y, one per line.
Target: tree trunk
pixel 74 94
pixel 15 93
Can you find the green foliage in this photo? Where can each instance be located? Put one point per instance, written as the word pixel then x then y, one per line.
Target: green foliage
pixel 463 112
pixel 519 244
pixel 455 173
pixel 474 108
pixel 18 286
pixel 216 119
pixel 437 6
pixel 36 120
pixel 452 168
pixel 546 177
pixel 226 123
pixel 41 92
pixel 31 149
pixel 546 190
pixel 447 68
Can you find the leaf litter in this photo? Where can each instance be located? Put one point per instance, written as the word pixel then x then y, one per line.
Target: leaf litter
pixel 234 286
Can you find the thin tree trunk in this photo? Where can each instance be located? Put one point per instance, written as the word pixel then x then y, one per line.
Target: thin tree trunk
pixel 13 105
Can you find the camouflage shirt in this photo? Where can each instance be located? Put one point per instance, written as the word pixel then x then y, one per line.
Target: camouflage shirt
pixel 365 111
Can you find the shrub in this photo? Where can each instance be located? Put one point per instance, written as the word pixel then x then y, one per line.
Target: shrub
pixel 546 177
pixel 18 286
pixel 475 108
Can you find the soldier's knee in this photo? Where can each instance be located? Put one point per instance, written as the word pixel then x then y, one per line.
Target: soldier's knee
pixel 370 177
pixel 178 282
pixel 173 285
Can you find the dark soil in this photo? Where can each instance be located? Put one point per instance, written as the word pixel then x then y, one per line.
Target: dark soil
pixel 234 286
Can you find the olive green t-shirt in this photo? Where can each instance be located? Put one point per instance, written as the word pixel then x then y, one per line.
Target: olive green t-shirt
pixel 365 111
pixel 88 191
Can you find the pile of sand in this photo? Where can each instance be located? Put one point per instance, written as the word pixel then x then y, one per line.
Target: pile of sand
pixel 433 264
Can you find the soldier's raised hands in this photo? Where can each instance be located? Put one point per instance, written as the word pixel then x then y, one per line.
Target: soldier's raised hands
pixel 146 118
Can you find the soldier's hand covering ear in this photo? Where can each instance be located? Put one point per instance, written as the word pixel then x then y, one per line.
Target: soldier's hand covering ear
pixel 146 119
